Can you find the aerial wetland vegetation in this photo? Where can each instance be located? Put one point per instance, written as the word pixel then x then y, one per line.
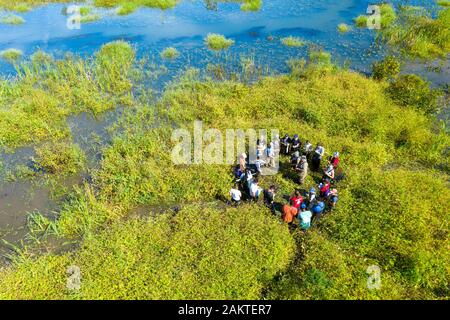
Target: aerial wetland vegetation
pixel 88 184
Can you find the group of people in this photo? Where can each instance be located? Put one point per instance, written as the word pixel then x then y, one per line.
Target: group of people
pixel 306 208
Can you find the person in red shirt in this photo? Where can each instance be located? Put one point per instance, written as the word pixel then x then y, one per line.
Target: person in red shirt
pixel 335 160
pixel 324 188
pixel 297 200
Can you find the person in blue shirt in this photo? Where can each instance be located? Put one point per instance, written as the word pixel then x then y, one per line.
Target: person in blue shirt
pixel 304 218
pixel 317 209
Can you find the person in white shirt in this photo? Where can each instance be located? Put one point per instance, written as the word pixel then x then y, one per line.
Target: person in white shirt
pixel 270 153
pixel 255 190
pixel 236 195
pixel 258 164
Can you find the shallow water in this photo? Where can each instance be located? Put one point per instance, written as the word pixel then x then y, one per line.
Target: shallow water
pixel 257 35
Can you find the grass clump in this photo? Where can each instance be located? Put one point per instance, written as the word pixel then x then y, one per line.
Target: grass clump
pixel 361 21
pixel 11 55
pixel 12 19
pixel 386 69
pixel 293 42
pixel 343 28
pixel 126 8
pixel 59 158
pixel 412 91
pixel 170 53
pixel 218 42
pixel 251 5
pixel 196 254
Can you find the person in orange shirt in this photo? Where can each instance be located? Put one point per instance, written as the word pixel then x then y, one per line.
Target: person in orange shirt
pixel 289 213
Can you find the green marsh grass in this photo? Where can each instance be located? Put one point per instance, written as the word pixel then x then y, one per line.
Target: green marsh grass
pixel 60 158
pixel 392 210
pixel 218 42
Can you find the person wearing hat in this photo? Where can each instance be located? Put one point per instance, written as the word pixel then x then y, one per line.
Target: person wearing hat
pixel 333 198
pixel 319 152
pixel 295 159
pixel 285 144
pixel 328 172
pixel 334 160
pixel 296 143
pixel 318 208
pixel 302 169
pixel 297 200
pixel 311 197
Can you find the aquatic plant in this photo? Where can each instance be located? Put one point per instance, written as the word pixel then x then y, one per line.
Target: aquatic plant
pixel 361 21
pixel 344 28
pixel 170 53
pixel 293 42
pixel 251 5
pixel 218 42
pixel 11 55
pixel 443 3
pixel 12 19
pixel 90 17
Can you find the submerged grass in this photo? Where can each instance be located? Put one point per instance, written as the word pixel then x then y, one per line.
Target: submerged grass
pixel 170 53
pixel 293 42
pixel 12 19
pixel 344 28
pixel 11 55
